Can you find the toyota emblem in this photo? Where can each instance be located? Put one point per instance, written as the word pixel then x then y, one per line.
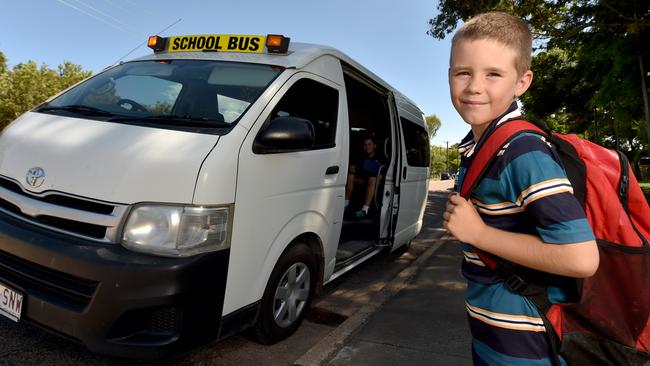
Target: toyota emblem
pixel 35 177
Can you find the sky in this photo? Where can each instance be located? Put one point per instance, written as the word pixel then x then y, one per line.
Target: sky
pixel 386 36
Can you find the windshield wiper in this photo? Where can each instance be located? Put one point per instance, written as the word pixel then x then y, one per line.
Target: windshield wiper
pixel 175 120
pixel 76 108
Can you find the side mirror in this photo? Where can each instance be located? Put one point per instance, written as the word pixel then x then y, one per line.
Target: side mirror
pixel 284 134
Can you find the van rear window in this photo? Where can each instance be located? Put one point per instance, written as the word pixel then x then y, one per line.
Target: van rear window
pixel 417 144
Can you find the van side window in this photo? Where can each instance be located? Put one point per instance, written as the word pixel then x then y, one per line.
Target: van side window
pixel 417 144
pixel 315 102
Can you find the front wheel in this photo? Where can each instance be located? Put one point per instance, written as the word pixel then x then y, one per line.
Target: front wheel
pixel 287 296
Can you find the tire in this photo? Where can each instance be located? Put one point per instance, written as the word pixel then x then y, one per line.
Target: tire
pixel 287 296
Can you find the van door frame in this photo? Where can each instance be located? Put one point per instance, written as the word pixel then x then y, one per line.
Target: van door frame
pixel 387 220
pixel 397 170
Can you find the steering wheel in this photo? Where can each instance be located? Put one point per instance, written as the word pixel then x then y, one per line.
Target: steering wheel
pixel 131 105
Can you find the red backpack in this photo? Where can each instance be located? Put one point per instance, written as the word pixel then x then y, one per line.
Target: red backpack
pixel 607 321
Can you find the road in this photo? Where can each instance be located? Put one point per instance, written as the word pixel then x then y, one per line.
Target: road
pixel 27 345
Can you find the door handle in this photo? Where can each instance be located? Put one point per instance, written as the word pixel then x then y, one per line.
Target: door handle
pixel 334 169
pixel 404 173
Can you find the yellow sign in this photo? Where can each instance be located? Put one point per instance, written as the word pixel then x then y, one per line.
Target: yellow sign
pixel 217 43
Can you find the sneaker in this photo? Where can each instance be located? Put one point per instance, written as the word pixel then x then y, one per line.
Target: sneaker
pixel 361 214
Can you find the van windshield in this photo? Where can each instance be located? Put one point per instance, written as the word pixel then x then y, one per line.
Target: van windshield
pixel 170 94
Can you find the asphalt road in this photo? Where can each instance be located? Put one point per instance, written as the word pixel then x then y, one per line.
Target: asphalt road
pixel 26 345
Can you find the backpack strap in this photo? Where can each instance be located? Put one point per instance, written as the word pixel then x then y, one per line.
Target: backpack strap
pixel 485 154
pixel 489 146
pixel 624 183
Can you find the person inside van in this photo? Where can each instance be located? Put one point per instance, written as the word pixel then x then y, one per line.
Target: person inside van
pixel 363 171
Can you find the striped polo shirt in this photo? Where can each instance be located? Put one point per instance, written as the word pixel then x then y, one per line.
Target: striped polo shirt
pixel 526 191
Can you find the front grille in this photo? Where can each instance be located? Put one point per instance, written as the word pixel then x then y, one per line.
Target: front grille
pixel 79 204
pixel 10 207
pixel 12 186
pixel 62 212
pixel 55 286
pixel 90 230
pixel 60 200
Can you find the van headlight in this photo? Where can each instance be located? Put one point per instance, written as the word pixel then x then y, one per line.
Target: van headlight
pixel 177 231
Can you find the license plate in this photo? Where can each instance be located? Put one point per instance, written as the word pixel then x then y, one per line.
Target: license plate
pixel 11 303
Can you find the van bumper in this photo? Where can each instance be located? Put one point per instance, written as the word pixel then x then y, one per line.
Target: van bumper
pixel 110 299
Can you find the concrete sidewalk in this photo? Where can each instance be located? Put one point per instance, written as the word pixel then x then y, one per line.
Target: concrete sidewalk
pixel 424 324
pixel 419 319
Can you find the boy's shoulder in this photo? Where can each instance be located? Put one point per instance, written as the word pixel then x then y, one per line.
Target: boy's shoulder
pixel 529 159
pixel 526 142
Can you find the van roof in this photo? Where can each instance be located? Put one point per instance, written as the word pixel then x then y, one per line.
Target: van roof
pixel 299 55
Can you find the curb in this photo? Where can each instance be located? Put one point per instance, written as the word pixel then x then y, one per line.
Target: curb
pixel 322 352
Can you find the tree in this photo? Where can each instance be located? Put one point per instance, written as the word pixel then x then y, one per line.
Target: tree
pixel 3 63
pixel 27 85
pixel 587 64
pixel 441 156
pixel 70 74
pixel 438 162
pixel 433 122
pixel 24 87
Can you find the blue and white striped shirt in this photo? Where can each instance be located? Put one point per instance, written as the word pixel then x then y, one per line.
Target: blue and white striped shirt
pixel 526 191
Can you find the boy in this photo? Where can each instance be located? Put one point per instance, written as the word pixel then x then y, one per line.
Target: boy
pixel 523 210
pixel 364 171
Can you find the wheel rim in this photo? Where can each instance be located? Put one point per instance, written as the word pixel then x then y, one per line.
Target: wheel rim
pixel 291 295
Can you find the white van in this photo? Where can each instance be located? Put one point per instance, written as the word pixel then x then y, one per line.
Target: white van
pixel 199 191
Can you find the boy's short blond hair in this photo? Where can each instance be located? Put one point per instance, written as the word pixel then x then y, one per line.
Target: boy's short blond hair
pixel 504 28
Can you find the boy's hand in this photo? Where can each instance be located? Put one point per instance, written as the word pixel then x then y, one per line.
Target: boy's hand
pixel 462 220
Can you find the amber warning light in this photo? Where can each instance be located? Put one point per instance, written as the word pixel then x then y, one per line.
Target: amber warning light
pixel 276 43
pixel 156 43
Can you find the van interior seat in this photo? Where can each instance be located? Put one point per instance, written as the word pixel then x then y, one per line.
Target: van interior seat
pixel 201 101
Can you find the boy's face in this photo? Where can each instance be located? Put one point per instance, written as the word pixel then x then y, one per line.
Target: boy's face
pixel 483 81
pixel 369 146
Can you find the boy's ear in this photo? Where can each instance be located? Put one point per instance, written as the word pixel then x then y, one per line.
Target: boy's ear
pixel 523 83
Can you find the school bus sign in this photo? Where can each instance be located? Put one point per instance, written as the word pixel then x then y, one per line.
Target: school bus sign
pixel 217 42
pixel 271 43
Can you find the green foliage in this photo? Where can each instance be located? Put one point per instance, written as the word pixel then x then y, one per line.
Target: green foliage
pixel 433 122
pixel 70 74
pixel 587 77
pixel 444 160
pixel 3 63
pixel 27 85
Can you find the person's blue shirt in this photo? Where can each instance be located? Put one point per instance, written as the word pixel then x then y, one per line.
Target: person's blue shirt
pixel 526 190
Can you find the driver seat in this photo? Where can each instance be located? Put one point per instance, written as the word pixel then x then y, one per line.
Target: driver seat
pixel 201 101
